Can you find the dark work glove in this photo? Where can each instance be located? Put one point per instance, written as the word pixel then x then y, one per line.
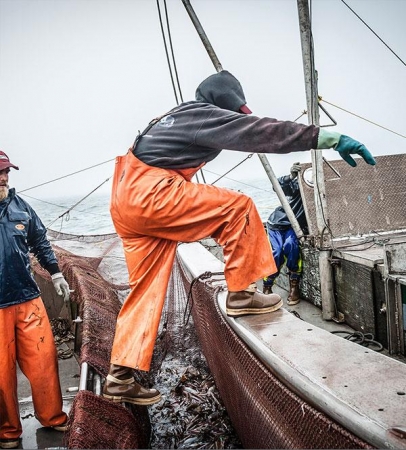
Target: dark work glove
pixel 294 170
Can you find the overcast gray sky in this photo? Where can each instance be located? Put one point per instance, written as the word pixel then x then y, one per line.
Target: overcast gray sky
pixel 79 78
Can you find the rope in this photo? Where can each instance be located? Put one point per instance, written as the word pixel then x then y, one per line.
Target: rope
pixel 203 276
pixel 295 313
pixel 166 51
pixel 362 118
pixel 384 43
pixel 366 339
pixel 63 207
pixel 66 176
pixel 77 203
pixel 172 52
pixel 301 115
pixel 238 181
pixel 222 176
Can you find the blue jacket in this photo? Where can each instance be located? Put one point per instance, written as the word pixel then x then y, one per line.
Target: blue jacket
pixel 278 220
pixel 21 232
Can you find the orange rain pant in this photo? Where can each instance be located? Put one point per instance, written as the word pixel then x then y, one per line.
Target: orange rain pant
pixel 26 337
pixel 152 210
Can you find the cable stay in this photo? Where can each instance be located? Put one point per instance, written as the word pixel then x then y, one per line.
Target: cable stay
pixel 360 117
pixel 238 181
pixel 304 112
pixel 63 207
pixel 333 121
pixel 383 42
pixel 66 176
pixel 222 176
pixel 173 62
pixel 110 160
pixel 66 213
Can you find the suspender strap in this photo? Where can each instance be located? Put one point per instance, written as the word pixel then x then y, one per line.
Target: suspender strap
pixel 150 125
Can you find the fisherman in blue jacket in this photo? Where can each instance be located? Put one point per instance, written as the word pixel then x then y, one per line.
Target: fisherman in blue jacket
pixel 283 239
pixel 26 336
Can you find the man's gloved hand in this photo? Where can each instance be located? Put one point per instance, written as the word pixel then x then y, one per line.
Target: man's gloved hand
pixel 60 285
pixel 294 170
pixel 345 146
pixel 348 146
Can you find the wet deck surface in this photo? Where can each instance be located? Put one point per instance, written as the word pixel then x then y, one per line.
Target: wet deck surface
pixel 310 313
pixel 34 434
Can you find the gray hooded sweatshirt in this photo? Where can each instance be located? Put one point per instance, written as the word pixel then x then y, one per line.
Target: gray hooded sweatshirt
pixel 195 132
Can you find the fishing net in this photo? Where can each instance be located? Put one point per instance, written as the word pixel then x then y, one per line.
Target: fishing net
pixel 95 422
pixel 208 377
pixel 377 206
pixel 264 412
pixel 192 413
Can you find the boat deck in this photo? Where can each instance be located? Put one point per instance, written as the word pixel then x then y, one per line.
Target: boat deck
pixel 361 389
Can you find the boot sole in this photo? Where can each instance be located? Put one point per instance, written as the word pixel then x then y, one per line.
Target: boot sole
pixel 246 311
pixel 11 444
pixel 134 401
pixel 62 428
pixel 293 302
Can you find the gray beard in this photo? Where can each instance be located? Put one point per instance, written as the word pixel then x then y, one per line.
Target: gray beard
pixel 3 192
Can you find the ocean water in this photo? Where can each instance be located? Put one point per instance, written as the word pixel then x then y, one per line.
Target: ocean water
pixel 91 216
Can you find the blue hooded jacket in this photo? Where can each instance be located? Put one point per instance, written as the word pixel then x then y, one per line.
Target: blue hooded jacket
pixel 21 232
pixel 278 220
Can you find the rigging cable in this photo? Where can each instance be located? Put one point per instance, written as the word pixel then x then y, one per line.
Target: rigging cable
pixel 360 117
pixel 77 203
pixel 248 157
pixel 327 228
pixel 383 42
pixel 314 83
pixel 166 51
pixel 239 182
pixel 172 52
pixel 66 176
pixel 301 115
pixel 63 207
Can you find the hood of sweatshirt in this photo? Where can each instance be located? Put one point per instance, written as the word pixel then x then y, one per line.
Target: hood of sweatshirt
pixel 223 90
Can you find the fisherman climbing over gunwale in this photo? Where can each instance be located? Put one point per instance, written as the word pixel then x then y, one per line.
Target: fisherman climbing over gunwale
pixel 155 205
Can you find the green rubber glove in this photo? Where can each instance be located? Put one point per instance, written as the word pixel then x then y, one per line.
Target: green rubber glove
pixel 345 146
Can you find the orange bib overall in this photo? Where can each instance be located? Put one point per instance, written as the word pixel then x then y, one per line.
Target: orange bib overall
pixel 152 210
pixel 26 338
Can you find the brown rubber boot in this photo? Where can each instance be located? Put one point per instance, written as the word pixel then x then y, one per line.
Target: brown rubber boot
pixel 294 295
pixel 251 301
pixel 120 386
